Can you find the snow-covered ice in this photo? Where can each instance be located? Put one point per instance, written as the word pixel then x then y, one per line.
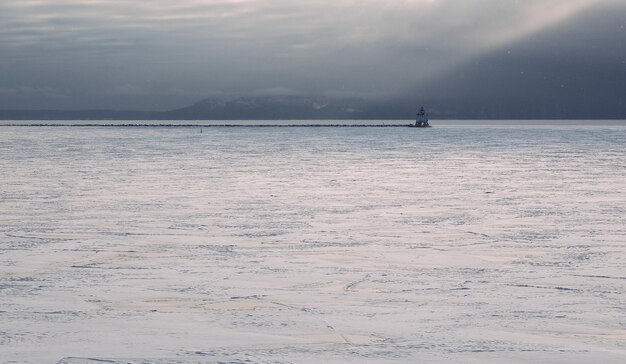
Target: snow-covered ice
pixel 307 245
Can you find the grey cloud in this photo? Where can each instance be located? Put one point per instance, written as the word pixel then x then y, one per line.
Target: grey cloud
pixel 32 91
pixel 291 26
pixel 332 47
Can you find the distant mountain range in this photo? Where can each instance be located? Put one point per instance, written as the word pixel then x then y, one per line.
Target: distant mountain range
pixel 241 108
pixel 448 100
pixel 272 107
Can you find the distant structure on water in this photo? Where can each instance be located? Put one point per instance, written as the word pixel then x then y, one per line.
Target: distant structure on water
pixel 421 119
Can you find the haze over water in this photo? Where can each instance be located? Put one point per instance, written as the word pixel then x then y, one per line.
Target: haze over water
pixel 456 244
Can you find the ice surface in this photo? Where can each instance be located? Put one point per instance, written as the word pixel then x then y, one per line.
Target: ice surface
pixel 308 245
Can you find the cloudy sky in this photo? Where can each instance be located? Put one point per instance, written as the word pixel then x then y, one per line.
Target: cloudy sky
pixel 162 54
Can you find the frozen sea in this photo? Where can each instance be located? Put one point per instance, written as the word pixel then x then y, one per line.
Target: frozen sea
pixel 455 244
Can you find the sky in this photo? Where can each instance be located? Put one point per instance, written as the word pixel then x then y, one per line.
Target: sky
pixel 163 54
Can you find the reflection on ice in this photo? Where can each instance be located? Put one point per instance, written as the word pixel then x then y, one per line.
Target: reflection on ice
pixel 312 244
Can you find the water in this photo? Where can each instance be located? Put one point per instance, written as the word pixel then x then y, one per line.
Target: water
pixel 452 244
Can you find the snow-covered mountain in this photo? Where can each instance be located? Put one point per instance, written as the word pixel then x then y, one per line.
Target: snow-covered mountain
pixel 272 107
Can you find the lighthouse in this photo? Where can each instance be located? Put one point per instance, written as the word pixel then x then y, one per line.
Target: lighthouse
pixel 421 119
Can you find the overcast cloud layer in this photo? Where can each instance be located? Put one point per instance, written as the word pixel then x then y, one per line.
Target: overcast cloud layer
pixel 162 54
